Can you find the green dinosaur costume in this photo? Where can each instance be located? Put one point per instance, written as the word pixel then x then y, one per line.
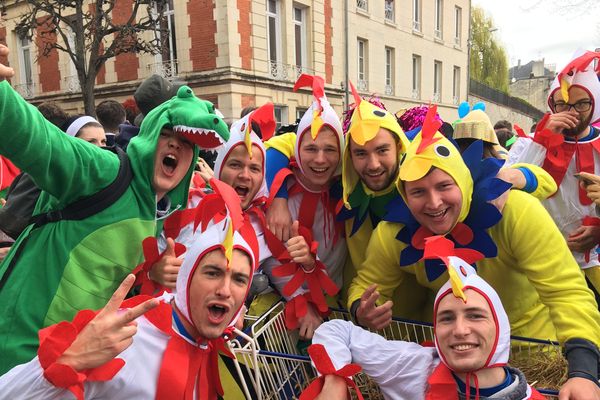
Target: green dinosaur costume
pixel 57 269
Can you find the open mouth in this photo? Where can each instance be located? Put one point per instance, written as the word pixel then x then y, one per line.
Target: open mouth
pixel 217 312
pixel 206 139
pixel 169 163
pixel 242 190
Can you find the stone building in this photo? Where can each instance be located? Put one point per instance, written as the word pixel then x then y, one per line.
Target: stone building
pixel 238 53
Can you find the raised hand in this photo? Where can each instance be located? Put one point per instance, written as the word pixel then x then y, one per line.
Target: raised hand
pixel 5 72
pixel 371 315
pixel 298 249
pixel 165 270
pixel 108 334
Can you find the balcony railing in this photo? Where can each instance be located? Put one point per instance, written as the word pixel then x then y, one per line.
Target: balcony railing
pixel 72 84
pixel 362 84
pixel 26 90
pixel 417 26
pixel 416 94
pixel 455 99
pixel 437 33
pixel 437 97
pixel 166 69
pixel 287 72
pixel 457 41
pixel 362 5
pixel 389 90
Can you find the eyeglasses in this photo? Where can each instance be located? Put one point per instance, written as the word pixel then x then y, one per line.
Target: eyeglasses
pixel 580 106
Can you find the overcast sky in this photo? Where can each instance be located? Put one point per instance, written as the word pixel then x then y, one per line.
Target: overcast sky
pixel 536 29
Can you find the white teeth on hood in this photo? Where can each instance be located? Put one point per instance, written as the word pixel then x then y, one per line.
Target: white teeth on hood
pixel 182 129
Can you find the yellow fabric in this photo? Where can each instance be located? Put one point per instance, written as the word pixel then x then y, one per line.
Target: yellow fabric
pixel 283 143
pixel 593 275
pixel 535 274
pixel 546 184
pixel 231 389
pixel 416 165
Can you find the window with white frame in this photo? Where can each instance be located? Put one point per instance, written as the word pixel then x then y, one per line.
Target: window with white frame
pixel 457 25
pixel 456 85
pixel 300 38
pixel 417 15
pixel 165 63
pixel 274 31
pixel 437 81
pixel 389 71
pixel 389 10
pixel 25 64
pixel 416 76
pixel 439 15
pixel 281 116
pixel 300 112
pixel 362 50
pixel 72 79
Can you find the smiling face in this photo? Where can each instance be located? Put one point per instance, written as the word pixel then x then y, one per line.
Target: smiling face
pixel 376 163
pixel 319 158
pixel 92 134
pixel 217 292
pixel 465 332
pixel 172 161
pixel 435 201
pixel 244 174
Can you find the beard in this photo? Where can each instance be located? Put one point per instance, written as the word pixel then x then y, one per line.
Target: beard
pixel 579 129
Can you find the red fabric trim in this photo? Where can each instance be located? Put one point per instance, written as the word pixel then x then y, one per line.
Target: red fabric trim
pixel 176 221
pixel 278 181
pixel 442 385
pixel 324 365
pixel 8 172
pixel 55 340
pixel 590 221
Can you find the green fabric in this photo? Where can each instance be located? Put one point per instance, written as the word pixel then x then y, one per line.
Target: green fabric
pixel 67 266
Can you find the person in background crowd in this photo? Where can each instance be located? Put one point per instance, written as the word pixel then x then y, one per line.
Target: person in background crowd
pixel 111 114
pixel 503 124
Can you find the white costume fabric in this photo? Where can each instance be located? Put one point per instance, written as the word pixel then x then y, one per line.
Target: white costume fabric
pixel 139 377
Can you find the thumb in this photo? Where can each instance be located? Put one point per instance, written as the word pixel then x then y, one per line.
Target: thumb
pixel 170 251
pixel 295 229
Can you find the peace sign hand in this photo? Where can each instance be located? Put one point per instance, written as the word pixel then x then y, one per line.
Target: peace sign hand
pixel 108 334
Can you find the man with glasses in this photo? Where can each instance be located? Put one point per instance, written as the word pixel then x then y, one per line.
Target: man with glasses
pixel 566 143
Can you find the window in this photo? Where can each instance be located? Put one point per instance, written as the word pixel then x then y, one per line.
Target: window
pixel 166 62
pixel 457 25
pixel 362 5
pixel 273 31
pixel 437 81
pixel 389 10
pixel 417 15
pixel 300 38
pixel 416 76
pixel 456 85
pixel 439 7
pixel 281 116
pixel 72 79
pixel 362 64
pixel 389 71
pixel 25 85
pixel 300 112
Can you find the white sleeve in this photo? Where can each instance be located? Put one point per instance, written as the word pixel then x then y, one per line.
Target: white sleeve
pixel 526 151
pixel 399 368
pixel 26 381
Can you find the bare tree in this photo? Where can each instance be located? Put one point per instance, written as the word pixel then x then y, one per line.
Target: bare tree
pixel 96 37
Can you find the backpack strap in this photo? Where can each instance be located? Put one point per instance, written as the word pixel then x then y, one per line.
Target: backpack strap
pixel 91 205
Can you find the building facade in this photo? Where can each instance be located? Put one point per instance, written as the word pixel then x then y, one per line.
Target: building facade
pixel 238 53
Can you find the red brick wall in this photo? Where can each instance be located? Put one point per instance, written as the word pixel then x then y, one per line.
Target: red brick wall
pixel 245 31
pixel 328 47
pixel 126 64
pixel 213 98
pixel 248 100
pixel 202 30
pixel 50 76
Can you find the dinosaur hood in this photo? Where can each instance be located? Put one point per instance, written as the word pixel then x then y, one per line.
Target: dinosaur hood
pixel 187 115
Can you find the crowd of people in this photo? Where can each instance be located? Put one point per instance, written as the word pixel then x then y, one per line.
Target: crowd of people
pixel 465 224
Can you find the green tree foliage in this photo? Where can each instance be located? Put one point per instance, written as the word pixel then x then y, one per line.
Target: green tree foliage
pixel 488 61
